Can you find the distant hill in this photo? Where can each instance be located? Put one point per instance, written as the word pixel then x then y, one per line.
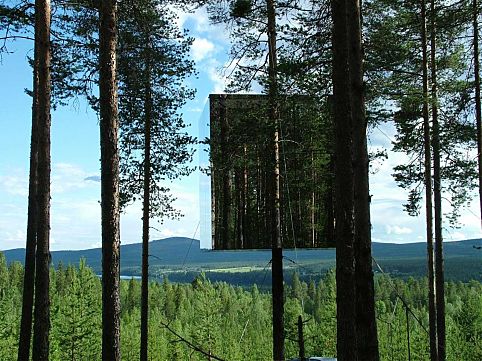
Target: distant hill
pixel 462 260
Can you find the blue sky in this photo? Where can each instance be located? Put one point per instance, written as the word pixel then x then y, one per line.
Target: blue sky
pixel 75 212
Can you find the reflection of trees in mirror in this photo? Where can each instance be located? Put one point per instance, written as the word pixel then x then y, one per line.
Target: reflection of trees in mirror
pixel 241 150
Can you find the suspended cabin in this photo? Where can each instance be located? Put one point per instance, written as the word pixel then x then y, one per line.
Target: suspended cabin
pixel 241 165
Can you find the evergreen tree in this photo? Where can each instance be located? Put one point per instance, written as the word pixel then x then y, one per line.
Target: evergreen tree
pixel 478 105
pixel 152 65
pixel 109 180
pixel 367 342
pixel 42 282
pixel 344 212
pixel 77 318
pixel 32 215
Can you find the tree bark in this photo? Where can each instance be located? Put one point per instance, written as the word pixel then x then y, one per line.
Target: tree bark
pixel 437 185
pixel 329 204
pixel 226 182
pixel 109 181
pixel 145 221
pixel 367 338
pixel 301 341
pixel 344 213
pixel 42 281
pixel 246 240
pixel 313 200
pixel 428 191
pixel 277 250
pixel 478 107
pixel 32 216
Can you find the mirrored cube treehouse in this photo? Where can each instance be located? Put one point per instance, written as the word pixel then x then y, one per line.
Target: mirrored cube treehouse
pixel 241 170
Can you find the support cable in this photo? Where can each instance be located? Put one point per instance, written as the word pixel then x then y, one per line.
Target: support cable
pixel 401 298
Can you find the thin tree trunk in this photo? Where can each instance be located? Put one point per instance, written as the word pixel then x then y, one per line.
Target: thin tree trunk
pixel 42 278
pixel 213 164
pixel 259 199
pixel 329 204
pixel 226 183
pixel 214 212
pixel 145 220
pixel 428 192
pixel 31 244
pixel 344 213
pixel 313 204
pixel 277 250
pixel 437 180
pixel 109 181
pixel 301 340
pixel 246 240
pixel 478 107
pixel 367 339
pixel 240 207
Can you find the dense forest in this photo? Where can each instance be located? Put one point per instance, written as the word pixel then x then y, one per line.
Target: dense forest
pixel 234 323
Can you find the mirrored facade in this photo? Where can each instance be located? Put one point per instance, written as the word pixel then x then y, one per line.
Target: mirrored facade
pixel 241 166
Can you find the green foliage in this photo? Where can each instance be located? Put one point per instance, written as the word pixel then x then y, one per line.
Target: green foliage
pixel 394 73
pixel 10 308
pixel 235 323
pixel 240 8
pixel 152 56
pixel 153 63
pixel 77 317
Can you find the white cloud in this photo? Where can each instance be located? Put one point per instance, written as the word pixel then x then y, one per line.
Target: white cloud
pixel 183 18
pixel 15 184
pixel 218 74
pixel 201 49
pixel 198 24
pixel 455 236
pixel 68 177
pixel 218 80
pixel 166 232
pixel 390 222
pixel 394 229
pixel 17 237
pixel 195 109
pixel 75 211
pixel 186 193
pixel 75 224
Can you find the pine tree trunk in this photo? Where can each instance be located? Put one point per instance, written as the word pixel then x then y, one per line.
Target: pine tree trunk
pixel 145 221
pixel 344 212
pixel 240 207
pixel 42 278
pixel 478 107
pixel 437 180
pixel 277 250
pixel 329 204
pixel 32 216
pixel 313 199
pixel 246 240
pixel 301 341
pixel 226 182
pixel 109 181
pixel 428 192
pixel 367 338
pixel 214 212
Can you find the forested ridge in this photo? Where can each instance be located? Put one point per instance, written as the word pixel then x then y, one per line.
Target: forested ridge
pixel 234 323
pixel 181 259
